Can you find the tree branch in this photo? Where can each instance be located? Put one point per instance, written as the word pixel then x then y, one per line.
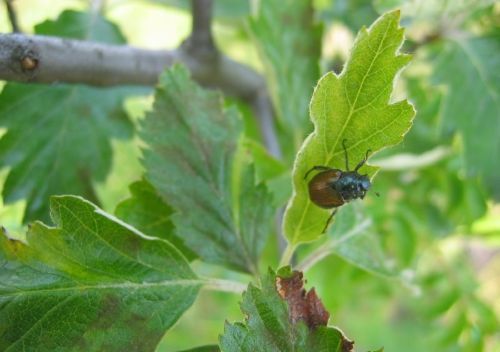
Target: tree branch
pixel 74 61
pixel 12 16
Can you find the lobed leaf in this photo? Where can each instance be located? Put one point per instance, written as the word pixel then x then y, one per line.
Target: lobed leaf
pixel 192 161
pixel 275 320
pixel 290 43
pixel 92 283
pixel 353 106
pixel 58 136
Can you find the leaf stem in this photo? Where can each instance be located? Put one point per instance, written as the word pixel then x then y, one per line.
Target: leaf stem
pixel 328 247
pixel 287 254
pixel 224 285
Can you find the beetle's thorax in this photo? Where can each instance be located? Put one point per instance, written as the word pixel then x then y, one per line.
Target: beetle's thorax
pixel 351 185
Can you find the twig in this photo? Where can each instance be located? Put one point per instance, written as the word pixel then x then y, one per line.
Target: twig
pixel 328 247
pixel 12 16
pixel 201 30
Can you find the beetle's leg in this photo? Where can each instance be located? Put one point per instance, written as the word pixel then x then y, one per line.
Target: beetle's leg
pixel 317 168
pixel 345 155
pixel 362 162
pixel 329 220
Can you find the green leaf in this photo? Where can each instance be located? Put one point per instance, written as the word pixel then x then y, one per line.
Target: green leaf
pixel 441 304
pixel 353 106
pixel 433 10
pixel 147 212
pixel 92 283
pixel 472 102
pixel 268 326
pixel 266 166
pixel 192 161
pixel 425 130
pixel 355 239
pixel 84 26
pixel 270 170
pixel 58 136
pixel 354 13
pixel 290 43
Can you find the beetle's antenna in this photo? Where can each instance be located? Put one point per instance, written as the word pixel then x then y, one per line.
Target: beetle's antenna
pixel 362 162
pixel 316 168
pixel 345 154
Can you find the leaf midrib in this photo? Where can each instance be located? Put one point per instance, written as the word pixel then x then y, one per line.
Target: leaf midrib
pixel 352 106
pixel 216 185
pixel 125 285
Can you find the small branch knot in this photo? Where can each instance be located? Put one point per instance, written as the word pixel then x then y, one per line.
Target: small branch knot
pixel 29 63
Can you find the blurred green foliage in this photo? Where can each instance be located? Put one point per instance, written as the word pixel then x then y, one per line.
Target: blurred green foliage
pixel 436 221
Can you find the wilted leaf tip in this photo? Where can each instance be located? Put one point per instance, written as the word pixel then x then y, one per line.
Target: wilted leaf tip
pixel 302 305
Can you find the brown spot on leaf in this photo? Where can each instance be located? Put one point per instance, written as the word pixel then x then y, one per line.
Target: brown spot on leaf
pixel 108 311
pixel 302 305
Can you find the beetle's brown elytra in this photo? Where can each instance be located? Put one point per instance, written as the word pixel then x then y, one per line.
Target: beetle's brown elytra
pixel 331 188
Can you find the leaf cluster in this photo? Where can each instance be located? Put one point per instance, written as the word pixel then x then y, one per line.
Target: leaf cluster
pixel 118 279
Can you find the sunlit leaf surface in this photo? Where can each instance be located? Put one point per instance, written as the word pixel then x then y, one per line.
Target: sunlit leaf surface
pixel 354 107
pixel 92 283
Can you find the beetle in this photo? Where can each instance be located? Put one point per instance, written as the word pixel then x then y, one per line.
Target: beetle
pixel 332 188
